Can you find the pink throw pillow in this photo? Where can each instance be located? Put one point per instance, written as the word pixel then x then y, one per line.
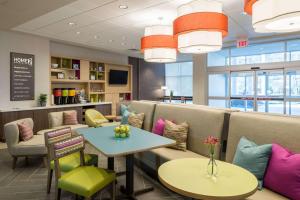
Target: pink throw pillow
pixel 70 117
pixel 25 131
pixel 283 172
pixel 159 127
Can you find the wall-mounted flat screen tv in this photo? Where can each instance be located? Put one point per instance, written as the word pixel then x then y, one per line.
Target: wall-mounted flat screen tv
pixel 118 77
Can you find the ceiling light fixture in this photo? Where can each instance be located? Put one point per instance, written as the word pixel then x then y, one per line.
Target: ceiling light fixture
pixel 281 16
pixel 200 27
pixel 158 44
pixel 123 7
pixel 71 23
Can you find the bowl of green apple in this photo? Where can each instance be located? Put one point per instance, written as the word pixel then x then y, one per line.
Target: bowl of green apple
pixel 122 131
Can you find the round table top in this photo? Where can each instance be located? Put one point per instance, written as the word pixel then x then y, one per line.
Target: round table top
pixel 189 177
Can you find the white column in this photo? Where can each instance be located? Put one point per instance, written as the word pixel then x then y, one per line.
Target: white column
pixel 200 79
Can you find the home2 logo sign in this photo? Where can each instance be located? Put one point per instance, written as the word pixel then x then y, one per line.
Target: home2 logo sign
pixel 21 76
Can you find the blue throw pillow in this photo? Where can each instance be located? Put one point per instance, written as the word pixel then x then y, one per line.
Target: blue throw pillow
pixel 125 116
pixel 252 157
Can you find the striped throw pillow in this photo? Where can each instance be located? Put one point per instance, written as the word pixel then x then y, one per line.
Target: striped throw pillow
pixel 136 120
pixel 25 131
pixel 70 117
pixel 177 132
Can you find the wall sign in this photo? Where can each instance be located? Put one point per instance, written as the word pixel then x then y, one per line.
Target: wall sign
pixel 21 76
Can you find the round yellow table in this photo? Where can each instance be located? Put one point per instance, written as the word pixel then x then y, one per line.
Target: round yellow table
pixel 189 178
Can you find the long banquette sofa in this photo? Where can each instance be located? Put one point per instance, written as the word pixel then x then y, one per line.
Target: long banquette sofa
pixel 229 125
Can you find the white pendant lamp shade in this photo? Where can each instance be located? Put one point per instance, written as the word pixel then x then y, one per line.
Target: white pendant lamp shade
pixel 274 15
pixel 158 44
pixel 200 27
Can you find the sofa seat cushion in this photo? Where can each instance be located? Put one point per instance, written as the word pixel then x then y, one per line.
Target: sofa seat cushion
pixel 266 194
pixel 171 154
pixel 34 146
pixel 86 180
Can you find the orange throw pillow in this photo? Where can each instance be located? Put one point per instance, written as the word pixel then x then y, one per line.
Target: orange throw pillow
pixel 25 131
pixel 70 117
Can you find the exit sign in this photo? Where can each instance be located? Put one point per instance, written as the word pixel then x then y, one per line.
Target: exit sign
pixel 242 43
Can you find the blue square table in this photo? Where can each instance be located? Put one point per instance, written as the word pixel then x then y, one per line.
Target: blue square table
pixel 103 140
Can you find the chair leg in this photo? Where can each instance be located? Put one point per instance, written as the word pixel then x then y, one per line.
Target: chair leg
pixel 26 161
pixel 45 161
pixel 113 190
pixel 49 180
pixel 57 193
pixel 14 163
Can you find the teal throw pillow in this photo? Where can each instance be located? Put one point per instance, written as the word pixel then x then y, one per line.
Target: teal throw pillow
pixel 123 109
pixel 252 157
pixel 125 116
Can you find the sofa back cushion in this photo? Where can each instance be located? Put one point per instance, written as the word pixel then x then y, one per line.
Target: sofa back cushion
pixel 56 119
pixel 202 121
pixel 144 107
pixel 262 129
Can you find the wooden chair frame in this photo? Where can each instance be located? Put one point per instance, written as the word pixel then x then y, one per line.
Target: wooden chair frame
pixel 49 157
pixel 82 163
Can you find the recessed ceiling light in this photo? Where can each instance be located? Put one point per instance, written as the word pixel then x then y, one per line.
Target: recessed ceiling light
pixel 71 23
pixel 123 6
pixel 110 40
pixel 77 32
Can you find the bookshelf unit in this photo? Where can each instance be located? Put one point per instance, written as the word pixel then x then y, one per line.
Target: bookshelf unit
pixel 92 77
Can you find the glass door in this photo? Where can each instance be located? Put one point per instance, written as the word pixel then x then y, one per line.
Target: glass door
pixel 270 91
pixel 242 90
pixel 259 90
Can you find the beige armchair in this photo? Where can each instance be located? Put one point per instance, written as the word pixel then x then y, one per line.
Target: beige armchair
pixel 33 147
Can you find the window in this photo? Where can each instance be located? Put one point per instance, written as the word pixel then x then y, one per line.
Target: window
pixel 218 91
pixel 256 54
pixel 293 50
pixel 179 79
pixel 219 58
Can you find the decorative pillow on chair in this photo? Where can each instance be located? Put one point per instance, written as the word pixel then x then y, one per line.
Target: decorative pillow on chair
pixel 159 127
pixel 123 108
pixel 125 116
pixel 70 117
pixel 25 131
pixel 283 172
pixel 177 132
pixel 136 120
pixel 252 157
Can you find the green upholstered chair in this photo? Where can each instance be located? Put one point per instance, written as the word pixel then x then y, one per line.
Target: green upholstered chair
pixel 83 181
pixel 93 118
pixel 66 163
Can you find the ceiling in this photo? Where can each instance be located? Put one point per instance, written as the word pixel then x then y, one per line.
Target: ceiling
pixel 101 24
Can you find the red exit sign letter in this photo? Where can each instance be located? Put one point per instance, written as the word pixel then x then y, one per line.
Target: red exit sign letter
pixel 242 43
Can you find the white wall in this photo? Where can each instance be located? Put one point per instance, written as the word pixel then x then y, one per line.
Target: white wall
pixel 42 48
pixel 23 43
pixel 200 79
pixel 71 51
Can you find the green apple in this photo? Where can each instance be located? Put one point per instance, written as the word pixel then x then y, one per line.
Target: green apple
pixel 123 129
pixel 117 135
pixel 123 135
pixel 117 129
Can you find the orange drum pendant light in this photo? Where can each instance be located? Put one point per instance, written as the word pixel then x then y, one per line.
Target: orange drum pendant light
pixel 200 26
pixel 158 44
pixel 274 15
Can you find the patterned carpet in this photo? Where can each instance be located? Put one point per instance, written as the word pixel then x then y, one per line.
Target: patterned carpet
pixel 28 182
